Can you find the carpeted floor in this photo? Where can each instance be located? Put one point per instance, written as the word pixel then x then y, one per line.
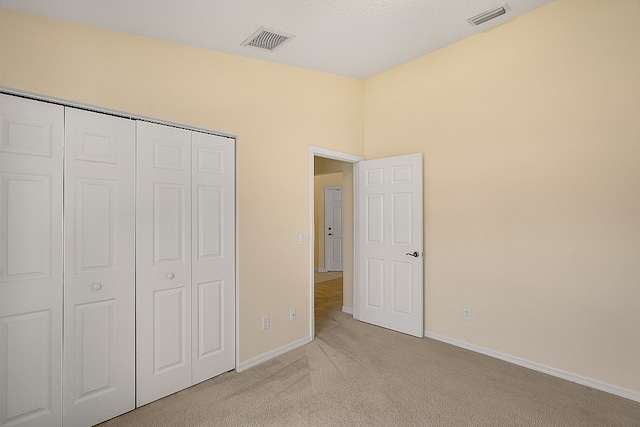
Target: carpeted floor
pixel 361 375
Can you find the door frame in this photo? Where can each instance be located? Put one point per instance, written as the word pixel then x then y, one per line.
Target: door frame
pixel 315 151
pixel 326 246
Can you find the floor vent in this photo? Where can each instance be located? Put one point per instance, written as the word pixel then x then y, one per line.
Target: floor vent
pixel 489 15
pixel 267 39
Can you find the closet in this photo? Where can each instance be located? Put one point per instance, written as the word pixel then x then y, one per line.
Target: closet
pixel 99 267
pixel 185 291
pixel 92 271
pixel 31 262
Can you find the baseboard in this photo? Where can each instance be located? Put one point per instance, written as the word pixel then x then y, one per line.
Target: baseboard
pixel 598 385
pixel 348 310
pixel 271 354
pixel 320 270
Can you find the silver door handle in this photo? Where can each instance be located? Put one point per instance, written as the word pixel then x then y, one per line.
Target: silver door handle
pixel 170 276
pixel 96 286
pixel 415 254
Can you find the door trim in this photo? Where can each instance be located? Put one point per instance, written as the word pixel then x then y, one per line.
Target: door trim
pixel 118 113
pixel 315 151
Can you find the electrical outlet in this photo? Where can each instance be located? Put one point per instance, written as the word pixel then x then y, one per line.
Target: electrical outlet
pixel 292 314
pixel 466 314
pixel 266 322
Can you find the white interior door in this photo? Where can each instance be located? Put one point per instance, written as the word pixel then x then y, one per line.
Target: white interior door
pixel 31 262
pixel 333 225
pixel 99 287
pixel 213 253
pixel 390 272
pixel 163 312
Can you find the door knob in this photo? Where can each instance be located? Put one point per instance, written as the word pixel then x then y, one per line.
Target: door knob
pixel 96 286
pixel 170 276
pixel 414 254
pixel 330 234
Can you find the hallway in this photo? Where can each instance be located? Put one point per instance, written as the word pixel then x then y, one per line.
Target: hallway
pixel 328 296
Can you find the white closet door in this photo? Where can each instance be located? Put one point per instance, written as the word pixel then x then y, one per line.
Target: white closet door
pixel 99 288
pixel 213 250
pixel 163 261
pixel 31 139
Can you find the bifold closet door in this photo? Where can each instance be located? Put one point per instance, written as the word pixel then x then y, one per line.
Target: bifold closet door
pixel 213 253
pixel 99 279
pixel 163 261
pixel 31 262
pixel 186 259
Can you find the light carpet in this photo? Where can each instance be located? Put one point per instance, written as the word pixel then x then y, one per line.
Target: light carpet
pixel 357 374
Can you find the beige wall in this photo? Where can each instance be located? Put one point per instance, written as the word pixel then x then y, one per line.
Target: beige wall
pixel 276 111
pixel 531 136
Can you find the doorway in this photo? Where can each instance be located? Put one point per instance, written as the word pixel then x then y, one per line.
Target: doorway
pixel 329 282
pixel 340 166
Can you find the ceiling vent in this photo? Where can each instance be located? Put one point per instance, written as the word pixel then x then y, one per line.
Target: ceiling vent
pixel 489 15
pixel 267 39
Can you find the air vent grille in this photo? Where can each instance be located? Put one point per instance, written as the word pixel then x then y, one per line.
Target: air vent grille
pixel 267 39
pixel 489 15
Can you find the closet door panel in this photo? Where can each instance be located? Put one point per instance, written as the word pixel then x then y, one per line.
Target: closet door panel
pixel 99 296
pixel 213 265
pixel 31 140
pixel 164 261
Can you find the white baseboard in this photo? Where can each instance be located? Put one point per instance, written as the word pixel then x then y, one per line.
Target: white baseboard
pixel 271 354
pixel 320 270
pixel 348 310
pixel 598 385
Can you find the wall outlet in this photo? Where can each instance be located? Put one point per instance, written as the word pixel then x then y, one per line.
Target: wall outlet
pixel 466 314
pixel 266 322
pixel 292 314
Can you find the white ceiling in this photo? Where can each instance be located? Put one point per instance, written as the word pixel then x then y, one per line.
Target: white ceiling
pixel 353 38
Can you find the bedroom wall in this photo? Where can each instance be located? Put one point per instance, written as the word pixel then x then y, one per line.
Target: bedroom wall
pixel 275 111
pixel 531 139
